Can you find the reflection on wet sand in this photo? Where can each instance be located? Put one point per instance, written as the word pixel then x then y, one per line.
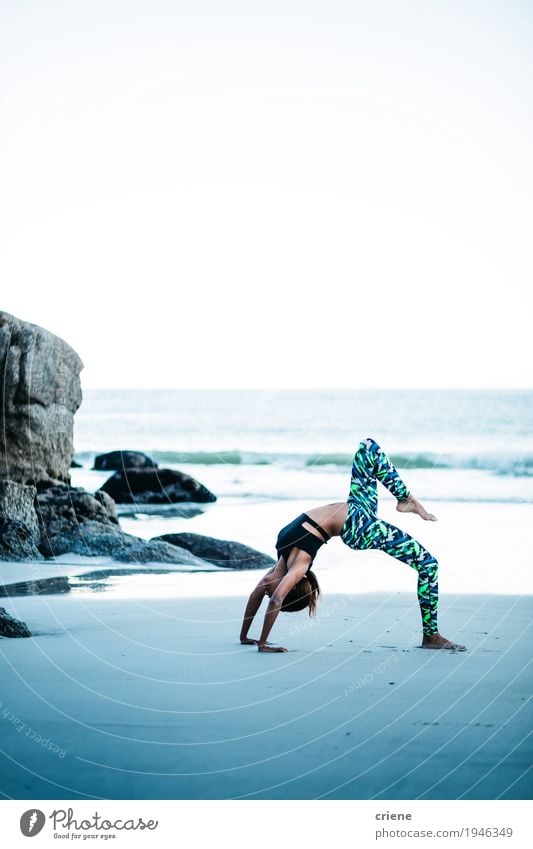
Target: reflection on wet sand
pixel 59 584
pixel 96 581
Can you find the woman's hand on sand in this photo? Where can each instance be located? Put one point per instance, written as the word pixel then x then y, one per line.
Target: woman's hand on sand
pixel 268 647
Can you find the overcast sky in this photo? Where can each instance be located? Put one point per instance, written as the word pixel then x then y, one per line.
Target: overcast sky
pixel 272 193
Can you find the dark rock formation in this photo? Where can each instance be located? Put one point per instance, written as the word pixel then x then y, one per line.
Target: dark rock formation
pixel 39 394
pixel 119 460
pixel 17 541
pixel 40 513
pixel 10 627
pixel 64 508
pixel 75 465
pixel 155 486
pixel 94 538
pixel 220 552
pixel 17 504
pixel 90 538
pixel 158 551
pixel 19 529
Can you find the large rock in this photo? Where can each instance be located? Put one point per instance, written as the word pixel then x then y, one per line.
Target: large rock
pixel 155 486
pixel 39 393
pixel 19 528
pixel 220 552
pixel 90 538
pixel 17 504
pixel 118 460
pixel 11 627
pixel 17 541
pixel 158 551
pixel 64 508
pixel 93 539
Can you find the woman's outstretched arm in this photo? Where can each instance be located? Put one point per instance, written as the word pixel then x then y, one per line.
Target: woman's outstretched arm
pixel 295 574
pixel 253 605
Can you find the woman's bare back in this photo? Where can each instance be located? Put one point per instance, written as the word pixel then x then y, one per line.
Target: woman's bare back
pixel 331 517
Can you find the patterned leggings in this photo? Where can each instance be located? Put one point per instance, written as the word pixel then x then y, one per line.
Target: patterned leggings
pixel 362 529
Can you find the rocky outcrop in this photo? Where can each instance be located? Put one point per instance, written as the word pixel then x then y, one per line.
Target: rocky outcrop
pixel 61 509
pixel 73 521
pixel 90 538
pixel 114 461
pixel 39 393
pixel 41 514
pixel 11 627
pixel 17 542
pixel 155 486
pixel 19 529
pixel 220 552
pixel 94 538
pixel 157 551
pixel 17 504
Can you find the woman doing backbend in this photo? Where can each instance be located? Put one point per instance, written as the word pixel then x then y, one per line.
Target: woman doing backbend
pixel 291 585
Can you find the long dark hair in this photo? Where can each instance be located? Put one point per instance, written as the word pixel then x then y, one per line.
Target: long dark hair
pixel 304 594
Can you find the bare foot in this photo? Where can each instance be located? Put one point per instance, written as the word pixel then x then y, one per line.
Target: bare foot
pixel 435 641
pixel 270 648
pixel 411 505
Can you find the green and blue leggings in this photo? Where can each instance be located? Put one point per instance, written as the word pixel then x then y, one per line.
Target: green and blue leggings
pixel 362 528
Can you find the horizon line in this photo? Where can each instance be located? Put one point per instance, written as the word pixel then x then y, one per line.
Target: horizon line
pixel 308 389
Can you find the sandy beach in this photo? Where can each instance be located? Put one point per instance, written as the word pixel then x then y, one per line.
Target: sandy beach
pixel 142 690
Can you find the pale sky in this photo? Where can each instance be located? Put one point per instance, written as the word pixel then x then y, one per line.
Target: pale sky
pixel 272 193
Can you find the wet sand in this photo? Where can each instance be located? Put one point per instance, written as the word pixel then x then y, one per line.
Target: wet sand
pixel 154 697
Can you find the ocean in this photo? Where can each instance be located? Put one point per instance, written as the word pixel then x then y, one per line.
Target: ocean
pixel 450 445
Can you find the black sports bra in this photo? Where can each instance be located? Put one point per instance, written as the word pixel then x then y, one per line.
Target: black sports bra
pixel 318 527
